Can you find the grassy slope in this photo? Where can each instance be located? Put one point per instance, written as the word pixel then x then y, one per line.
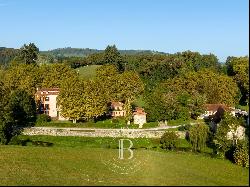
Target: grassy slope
pixel 78 166
pixel 87 72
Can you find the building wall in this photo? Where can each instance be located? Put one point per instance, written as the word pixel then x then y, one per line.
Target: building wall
pixel 54 112
pixel 52 105
pixel 118 113
pixel 140 119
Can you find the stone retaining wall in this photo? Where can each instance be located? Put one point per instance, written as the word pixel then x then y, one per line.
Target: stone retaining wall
pixel 128 133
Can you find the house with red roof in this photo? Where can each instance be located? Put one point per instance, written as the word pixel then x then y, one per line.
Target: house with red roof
pixel 117 109
pixel 139 116
pixel 46 102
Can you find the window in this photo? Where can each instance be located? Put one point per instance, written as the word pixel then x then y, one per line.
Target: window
pixel 47 112
pixel 46 106
pixel 46 98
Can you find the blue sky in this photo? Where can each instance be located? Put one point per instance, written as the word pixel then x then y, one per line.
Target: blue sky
pixel 207 26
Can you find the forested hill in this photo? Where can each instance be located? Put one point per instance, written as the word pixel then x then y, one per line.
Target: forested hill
pixel 81 52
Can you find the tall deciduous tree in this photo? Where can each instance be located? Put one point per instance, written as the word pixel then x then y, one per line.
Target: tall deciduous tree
pixel 54 74
pixel 18 112
pixel 113 56
pixel 22 76
pixel 29 53
pixel 70 99
pixel 238 68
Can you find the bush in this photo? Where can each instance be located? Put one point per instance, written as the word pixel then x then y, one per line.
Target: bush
pixel 198 136
pixel 184 127
pixel 42 118
pixel 169 140
pixel 17 141
pixel 240 155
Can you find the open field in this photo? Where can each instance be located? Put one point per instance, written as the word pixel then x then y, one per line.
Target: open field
pixel 92 166
pixel 87 72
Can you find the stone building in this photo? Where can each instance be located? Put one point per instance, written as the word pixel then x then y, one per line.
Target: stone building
pixel 116 109
pixel 139 116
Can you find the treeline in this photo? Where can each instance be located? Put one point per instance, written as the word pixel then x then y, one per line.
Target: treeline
pixel 83 52
pixel 173 86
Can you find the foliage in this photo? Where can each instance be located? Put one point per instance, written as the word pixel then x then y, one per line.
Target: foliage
pixel 198 136
pixel 169 140
pixel 19 112
pixel 241 154
pixel 184 127
pixel 112 56
pixel 7 55
pixel 216 88
pixel 42 118
pixel 29 53
pixel 70 99
pixel 22 76
pixel 238 68
pixel 54 75
pixel 221 141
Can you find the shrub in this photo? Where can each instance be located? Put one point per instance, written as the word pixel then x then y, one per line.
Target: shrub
pixel 184 127
pixel 17 141
pixel 169 140
pixel 198 135
pixel 42 118
pixel 223 146
pixel 240 155
pixel 115 120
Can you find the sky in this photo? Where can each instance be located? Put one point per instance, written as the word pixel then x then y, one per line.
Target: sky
pixel 220 27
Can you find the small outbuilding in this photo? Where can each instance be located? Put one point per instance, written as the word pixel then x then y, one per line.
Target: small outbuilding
pixel 139 116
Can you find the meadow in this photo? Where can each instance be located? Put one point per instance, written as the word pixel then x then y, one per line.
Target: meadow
pixel 87 72
pixel 79 161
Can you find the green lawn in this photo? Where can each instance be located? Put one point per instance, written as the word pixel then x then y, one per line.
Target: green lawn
pixel 87 72
pixel 24 165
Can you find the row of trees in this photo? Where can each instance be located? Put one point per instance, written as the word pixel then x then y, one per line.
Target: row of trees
pixel 81 99
pixel 185 95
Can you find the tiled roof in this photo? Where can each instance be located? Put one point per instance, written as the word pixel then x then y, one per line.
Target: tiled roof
pixel 47 91
pixel 214 107
pixel 139 111
pixel 117 104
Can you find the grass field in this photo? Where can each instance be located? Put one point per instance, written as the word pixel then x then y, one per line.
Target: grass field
pixel 87 72
pixel 93 166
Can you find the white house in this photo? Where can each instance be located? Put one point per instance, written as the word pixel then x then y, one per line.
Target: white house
pixel 139 116
pixel 211 109
pixel 47 104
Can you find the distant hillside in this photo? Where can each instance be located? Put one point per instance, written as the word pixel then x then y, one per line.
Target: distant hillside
pixel 7 54
pixel 81 52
